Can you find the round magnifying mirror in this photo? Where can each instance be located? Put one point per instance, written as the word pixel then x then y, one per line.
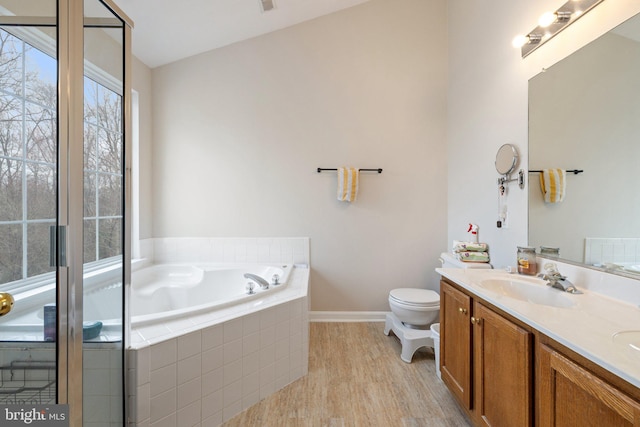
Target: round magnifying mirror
pixel 506 159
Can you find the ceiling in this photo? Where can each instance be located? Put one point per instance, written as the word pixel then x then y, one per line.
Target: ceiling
pixel 168 30
pixel 629 29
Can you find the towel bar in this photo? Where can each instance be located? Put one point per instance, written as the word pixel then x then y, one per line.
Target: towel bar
pixel 573 171
pixel 379 170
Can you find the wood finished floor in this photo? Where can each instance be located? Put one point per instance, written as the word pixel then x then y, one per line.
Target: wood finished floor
pixel 356 378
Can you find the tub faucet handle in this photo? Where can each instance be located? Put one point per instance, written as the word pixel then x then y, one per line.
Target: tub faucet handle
pixel 275 279
pixel 259 280
pixel 250 286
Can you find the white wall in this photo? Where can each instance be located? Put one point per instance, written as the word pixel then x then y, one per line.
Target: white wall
pixel 141 76
pixel 239 133
pixel 488 105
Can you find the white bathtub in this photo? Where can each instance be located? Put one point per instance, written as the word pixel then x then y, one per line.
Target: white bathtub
pixel 102 301
pixel 164 292
pixel 195 325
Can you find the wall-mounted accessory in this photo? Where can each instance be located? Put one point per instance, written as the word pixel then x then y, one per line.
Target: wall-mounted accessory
pixel 551 23
pixel 573 171
pixel 348 181
pixel 506 162
pixel 348 184
pixel 553 183
pixel 379 170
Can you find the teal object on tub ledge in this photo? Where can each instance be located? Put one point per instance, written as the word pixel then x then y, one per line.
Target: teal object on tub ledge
pixel 91 330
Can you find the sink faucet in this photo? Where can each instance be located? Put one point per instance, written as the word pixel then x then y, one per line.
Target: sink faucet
pixel 557 280
pixel 259 280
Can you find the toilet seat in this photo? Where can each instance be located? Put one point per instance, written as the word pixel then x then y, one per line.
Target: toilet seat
pixel 413 297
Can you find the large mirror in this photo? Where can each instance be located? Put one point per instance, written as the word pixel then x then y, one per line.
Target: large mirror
pixel 584 113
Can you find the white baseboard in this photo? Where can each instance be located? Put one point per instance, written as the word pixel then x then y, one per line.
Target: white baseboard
pixel 347 316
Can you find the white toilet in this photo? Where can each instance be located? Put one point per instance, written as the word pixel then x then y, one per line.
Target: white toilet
pixel 414 310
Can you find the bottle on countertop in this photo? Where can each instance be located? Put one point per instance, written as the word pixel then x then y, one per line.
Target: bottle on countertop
pixel 527 260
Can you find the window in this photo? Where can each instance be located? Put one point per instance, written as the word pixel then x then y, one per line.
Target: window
pixel 28 156
pixel 102 172
pixel 28 136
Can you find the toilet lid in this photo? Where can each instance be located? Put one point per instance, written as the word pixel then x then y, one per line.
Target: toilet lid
pixel 422 297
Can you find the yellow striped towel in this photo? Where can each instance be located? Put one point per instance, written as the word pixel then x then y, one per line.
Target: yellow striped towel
pixel 347 184
pixel 553 185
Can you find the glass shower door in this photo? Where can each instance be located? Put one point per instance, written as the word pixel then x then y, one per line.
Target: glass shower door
pixel 103 216
pixel 28 202
pixel 64 260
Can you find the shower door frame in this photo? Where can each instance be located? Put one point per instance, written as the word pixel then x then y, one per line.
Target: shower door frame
pixel 71 121
pixel 70 24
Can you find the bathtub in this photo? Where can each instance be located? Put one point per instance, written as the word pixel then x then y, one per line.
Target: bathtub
pixel 164 292
pixel 102 301
pixel 195 328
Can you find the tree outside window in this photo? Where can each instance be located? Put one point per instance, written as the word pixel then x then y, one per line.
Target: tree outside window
pixel 28 155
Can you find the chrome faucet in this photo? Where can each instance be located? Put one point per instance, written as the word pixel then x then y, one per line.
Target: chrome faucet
pixel 557 280
pixel 275 279
pixel 259 280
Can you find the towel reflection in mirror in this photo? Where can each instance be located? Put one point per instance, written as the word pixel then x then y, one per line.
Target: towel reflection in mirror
pixel 553 185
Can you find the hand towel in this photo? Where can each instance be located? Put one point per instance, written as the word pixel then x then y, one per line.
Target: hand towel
pixel 553 185
pixel 473 256
pixel 347 184
pixel 459 246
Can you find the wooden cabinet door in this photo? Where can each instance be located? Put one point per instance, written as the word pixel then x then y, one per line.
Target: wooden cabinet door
pixel 569 395
pixel 503 370
pixel 455 342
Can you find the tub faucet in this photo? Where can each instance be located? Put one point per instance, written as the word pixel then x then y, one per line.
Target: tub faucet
pixel 259 280
pixel 557 280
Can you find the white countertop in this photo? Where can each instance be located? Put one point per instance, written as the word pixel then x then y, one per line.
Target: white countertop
pixel 588 327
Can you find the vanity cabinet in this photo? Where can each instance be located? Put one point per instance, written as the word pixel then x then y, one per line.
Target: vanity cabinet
pixel 486 360
pixel 455 342
pixel 571 395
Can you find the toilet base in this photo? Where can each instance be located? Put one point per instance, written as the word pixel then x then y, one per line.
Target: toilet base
pixel 411 339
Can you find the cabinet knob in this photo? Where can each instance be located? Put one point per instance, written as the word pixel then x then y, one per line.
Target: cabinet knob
pixel 462 310
pixel 476 320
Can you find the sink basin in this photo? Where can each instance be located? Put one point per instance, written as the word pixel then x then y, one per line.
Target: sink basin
pixel 630 338
pixel 536 293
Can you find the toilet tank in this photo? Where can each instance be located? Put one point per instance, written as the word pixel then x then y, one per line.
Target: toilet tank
pixel 450 261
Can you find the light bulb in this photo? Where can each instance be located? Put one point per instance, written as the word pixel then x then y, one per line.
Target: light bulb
pixel 519 41
pixel 547 19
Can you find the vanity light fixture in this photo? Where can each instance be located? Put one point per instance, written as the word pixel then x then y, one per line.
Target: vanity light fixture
pixel 551 18
pixel 551 23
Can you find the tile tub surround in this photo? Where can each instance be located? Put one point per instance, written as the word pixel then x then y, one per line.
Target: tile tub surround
pixel 604 250
pixel 207 376
pixel 205 369
pixel 292 250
